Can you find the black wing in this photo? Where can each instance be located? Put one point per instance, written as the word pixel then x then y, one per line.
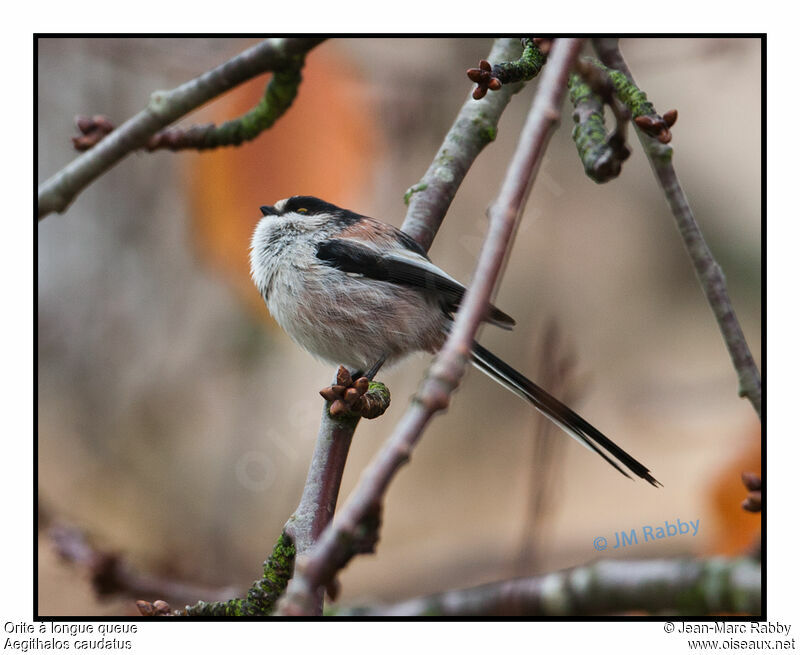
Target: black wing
pixel 410 270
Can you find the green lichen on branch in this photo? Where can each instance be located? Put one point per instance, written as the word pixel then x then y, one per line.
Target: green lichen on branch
pixel 492 77
pixel 377 400
pixel 487 131
pixel 412 190
pixel 642 111
pixel 633 97
pixel 602 155
pixel 278 97
pixel 528 66
pixel 262 596
pixel 372 404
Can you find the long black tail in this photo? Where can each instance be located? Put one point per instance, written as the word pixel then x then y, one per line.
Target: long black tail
pixel 559 413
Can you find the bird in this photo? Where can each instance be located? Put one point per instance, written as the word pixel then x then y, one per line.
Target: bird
pixel 358 292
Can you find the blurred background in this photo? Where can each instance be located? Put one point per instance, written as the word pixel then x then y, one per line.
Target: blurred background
pixel 176 421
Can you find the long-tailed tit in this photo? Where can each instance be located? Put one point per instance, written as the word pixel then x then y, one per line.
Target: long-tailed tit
pixel 361 293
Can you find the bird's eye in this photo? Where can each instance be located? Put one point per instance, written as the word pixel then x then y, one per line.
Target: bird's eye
pixel 302 210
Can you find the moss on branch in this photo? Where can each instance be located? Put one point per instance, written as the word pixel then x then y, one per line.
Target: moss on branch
pixel 642 111
pixel 262 595
pixel 528 66
pixel 602 154
pixel 490 77
pixel 278 97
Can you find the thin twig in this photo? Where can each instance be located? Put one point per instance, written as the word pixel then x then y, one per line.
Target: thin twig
pixel 492 77
pixel 688 587
pixel 111 574
pixel 165 107
pixel 556 363
pixel 354 529
pixel 708 271
pixel 641 110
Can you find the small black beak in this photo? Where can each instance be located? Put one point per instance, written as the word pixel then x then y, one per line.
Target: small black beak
pixel 268 210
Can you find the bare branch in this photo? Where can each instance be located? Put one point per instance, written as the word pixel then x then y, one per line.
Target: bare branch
pixel 165 107
pixel 109 573
pixel 688 587
pixel 321 490
pixel 709 273
pixel 322 483
pixel 352 529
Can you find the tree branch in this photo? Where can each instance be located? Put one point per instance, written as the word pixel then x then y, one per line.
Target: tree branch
pixel 709 273
pixel 602 154
pixel 260 598
pixel 491 78
pixel 475 127
pixel 687 587
pixel 278 97
pixel 165 107
pixel 110 574
pixel 354 529
pixel 641 110
pixel 321 490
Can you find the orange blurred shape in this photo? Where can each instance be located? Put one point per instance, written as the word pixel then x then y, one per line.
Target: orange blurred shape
pixel 737 530
pixel 324 146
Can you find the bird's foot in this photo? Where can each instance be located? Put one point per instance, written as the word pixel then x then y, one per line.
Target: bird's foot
pixel 358 397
